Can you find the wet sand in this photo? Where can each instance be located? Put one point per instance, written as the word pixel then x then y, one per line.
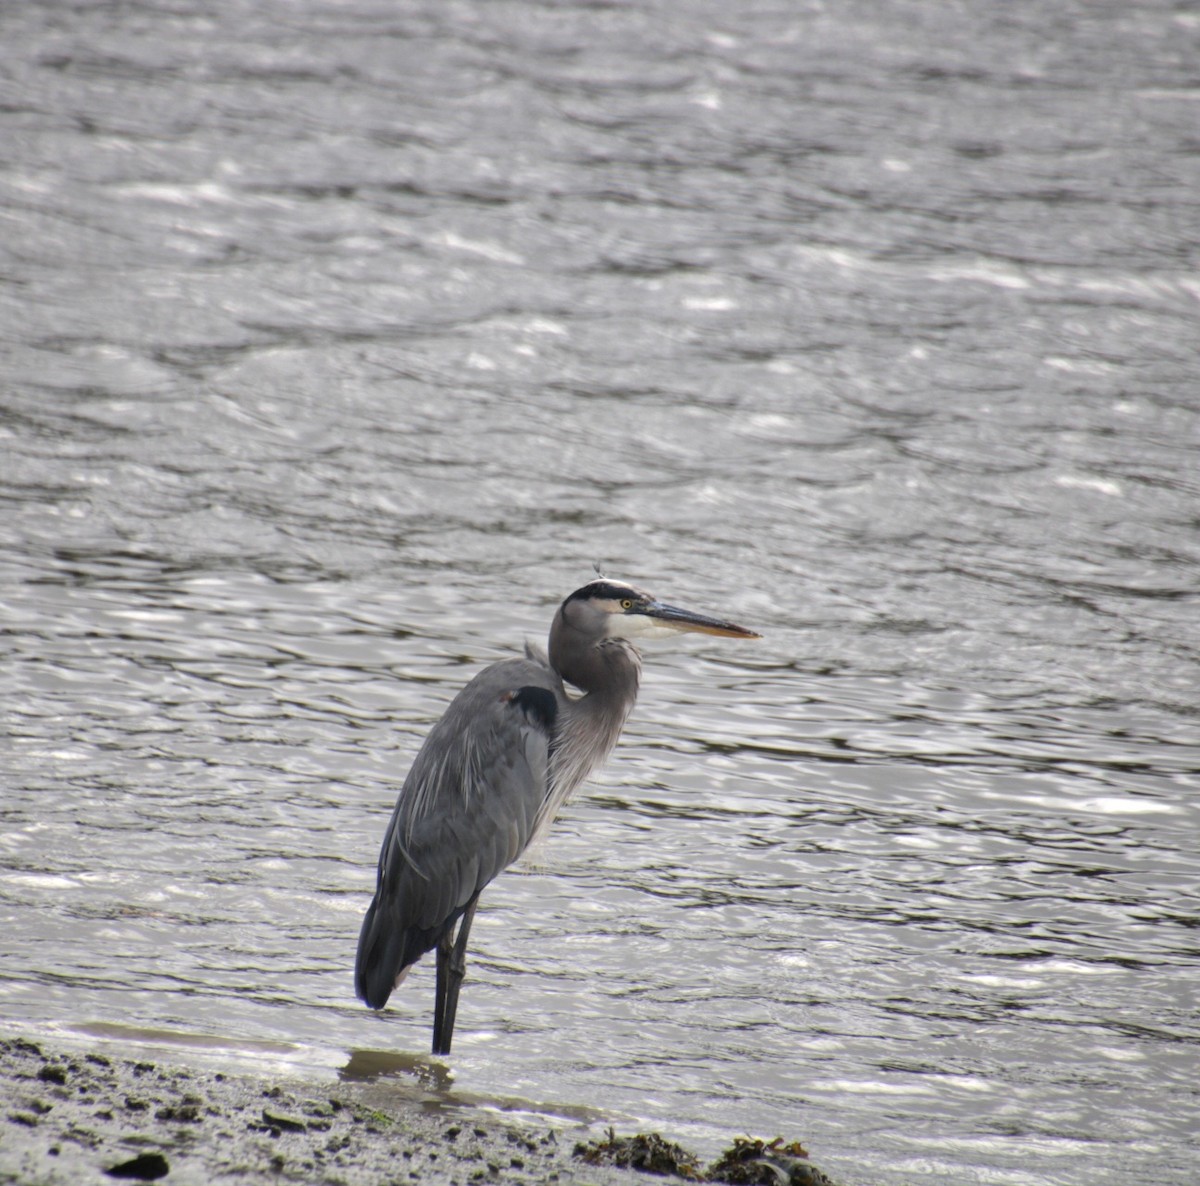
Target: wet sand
pixel 75 1116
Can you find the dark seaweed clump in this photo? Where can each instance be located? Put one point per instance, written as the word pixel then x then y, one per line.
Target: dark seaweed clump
pixel 747 1162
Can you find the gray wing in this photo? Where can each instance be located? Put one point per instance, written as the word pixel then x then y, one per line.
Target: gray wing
pixel 465 812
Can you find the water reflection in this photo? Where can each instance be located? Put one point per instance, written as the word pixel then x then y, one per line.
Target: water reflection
pixel 429 1074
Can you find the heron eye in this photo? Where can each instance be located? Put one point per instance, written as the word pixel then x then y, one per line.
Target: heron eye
pixel 627 603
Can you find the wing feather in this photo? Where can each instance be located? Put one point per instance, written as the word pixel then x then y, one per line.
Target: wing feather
pixel 466 811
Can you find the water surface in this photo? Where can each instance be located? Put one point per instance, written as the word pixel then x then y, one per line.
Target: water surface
pixel 341 339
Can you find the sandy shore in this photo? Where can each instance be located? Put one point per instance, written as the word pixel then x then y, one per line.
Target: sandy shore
pixel 72 1116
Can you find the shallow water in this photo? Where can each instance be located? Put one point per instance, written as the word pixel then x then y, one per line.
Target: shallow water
pixel 341 339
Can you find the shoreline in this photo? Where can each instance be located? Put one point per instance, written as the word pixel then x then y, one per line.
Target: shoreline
pixel 73 1113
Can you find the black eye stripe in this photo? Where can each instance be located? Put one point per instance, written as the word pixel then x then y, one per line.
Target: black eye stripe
pixel 604 591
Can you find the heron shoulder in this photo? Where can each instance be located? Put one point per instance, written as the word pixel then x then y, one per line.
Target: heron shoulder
pixel 492 742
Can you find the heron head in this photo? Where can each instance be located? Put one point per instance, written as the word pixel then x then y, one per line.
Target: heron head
pixel 614 609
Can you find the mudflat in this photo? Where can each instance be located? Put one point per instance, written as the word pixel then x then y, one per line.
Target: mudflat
pixel 74 1116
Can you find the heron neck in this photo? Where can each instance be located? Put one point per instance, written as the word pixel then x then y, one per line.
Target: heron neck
pixel 608 671
pixel 610 678
pixel 588 726
pixel 591 723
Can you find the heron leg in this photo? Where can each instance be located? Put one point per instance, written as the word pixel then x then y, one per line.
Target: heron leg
pixel 451 968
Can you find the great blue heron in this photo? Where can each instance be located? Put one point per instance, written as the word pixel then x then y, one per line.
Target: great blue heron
pixel 493 773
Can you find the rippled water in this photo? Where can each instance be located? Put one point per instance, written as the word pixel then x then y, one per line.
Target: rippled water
pixel 340 339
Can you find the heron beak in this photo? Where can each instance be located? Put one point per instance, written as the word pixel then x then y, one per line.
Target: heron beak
pixel 673 618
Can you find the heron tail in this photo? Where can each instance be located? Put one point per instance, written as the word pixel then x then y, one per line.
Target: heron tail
pixel 378 964
pixel 386 950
